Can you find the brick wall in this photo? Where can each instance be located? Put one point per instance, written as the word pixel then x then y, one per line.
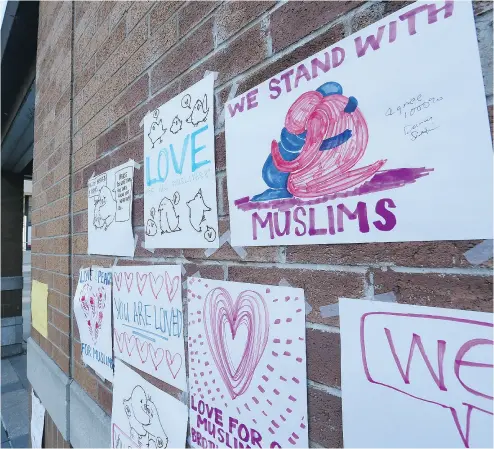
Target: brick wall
pixel 127 58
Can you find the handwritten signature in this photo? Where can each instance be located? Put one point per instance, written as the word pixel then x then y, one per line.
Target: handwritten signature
pixel 420 128
pixel 413 105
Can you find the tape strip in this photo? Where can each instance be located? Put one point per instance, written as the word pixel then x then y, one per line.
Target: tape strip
pixel 115 262
pixel 184 271
pixel 329 311
pixel 480 253
pixel 141 123
pixel 384 297
pixel 136 164
pixel 308 308
pixel 208 72
pixel 231 96
pixel 197 274
pixel 240 250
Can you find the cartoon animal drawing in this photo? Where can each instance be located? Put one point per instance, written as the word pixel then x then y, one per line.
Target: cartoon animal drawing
pixel 136 410
pixel 151 228
pixel 156 132
pixel 199 112
pixel 176 125
pixel 186 100
pixel 144 421
pixel 169 220
pixel 105 209
pixel 197 208
pixel 209 234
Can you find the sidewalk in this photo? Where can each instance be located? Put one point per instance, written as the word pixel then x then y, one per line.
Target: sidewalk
pixel 15 386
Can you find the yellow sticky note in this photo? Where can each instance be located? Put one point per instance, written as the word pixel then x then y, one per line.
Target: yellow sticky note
pixel 39 307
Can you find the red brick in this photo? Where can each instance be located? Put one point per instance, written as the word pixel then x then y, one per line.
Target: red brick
pixel 392 6
pixel 105 398
pixel 64 343
pixel 86 381
pixel 254 254
pixel 136 116
pixel 80 223
pixel 138 212
pixel 130 150
pixel 132 97
pixel 323 357
pixel 192 13
pixel 61 322
pixel 220 152
pixel 491 120
pixel 136 12
pixel 61 359
pixel 325 40
pixel 480 7
pixel 325 419
pixel 321 287
pixel 110 45
pixel 53 335
pixel 207 271
pixel 367 16
pixel 182 56
pixel 251 45
pixel 233 16
pixel 112 138
pixel 437 290
pixel 413 254
pixel 97 167
pixel 79 244
pixel 158 252
pixel 295 20
pixel 160 14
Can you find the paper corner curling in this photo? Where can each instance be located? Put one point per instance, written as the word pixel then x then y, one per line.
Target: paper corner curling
pixel 39 307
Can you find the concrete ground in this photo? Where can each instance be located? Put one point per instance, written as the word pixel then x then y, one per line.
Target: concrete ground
pixel 14 385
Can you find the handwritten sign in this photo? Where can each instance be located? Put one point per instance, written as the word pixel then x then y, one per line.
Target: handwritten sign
pixel 110 212
pixel 92 309
pixel 39 307
pixel 416 376
pixel 247 365
pixel 148 321
pixel 180 209
pixel 143 415
pixel 369 140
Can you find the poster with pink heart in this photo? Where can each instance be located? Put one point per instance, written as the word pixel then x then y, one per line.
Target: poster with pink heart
pixel 92 309
pixel 148 321
pixel 247 365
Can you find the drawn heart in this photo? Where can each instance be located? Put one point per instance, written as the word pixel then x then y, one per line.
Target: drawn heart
pixel 142 349
pixel 171 286
pixel 117 280
pixel 175 361
pixel 156 284
pixel 141 282
pixel 156 355
pixel 129 278
pixel 221 315
pixel 124 340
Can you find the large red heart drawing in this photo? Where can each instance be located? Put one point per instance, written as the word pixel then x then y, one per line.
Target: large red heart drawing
pixel 141 282
pixel 221 315
pixel 171 286
pixel 156 355
pixel 156 284
pixel 117 280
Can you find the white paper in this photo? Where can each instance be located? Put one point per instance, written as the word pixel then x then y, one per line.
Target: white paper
pixel 92 309
pixel 148 320
pixel 412 162
pixel 143 415
pixel 415 376
pixel 180 209
pixel 110 197
pixel 247 365
pixel 37 421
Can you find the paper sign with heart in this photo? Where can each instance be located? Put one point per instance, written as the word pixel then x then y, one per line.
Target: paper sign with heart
pixel 246 348
pixel 92 309
pixel 148 321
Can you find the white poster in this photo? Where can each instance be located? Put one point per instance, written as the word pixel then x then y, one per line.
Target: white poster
pixel 143 415
pixel 415 376
pixel 148 320
pixel 247 365
pixel 110 197
pixel 92 309
pixel 37 421
pixel 382 137
pixel 180 209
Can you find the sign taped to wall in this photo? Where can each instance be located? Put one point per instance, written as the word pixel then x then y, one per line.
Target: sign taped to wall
pixel 180 209
pixel 143 415
pixel 247 365
pixel 415 376
pixel 369 140
pixel 92 309
pixel 110 196
pixel 148 320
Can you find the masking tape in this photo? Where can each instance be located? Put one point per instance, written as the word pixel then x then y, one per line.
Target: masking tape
pixel 331 310
pixel 480 253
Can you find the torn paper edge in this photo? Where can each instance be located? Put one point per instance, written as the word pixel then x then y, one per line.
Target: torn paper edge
pixel 480 253
pixel 231 96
